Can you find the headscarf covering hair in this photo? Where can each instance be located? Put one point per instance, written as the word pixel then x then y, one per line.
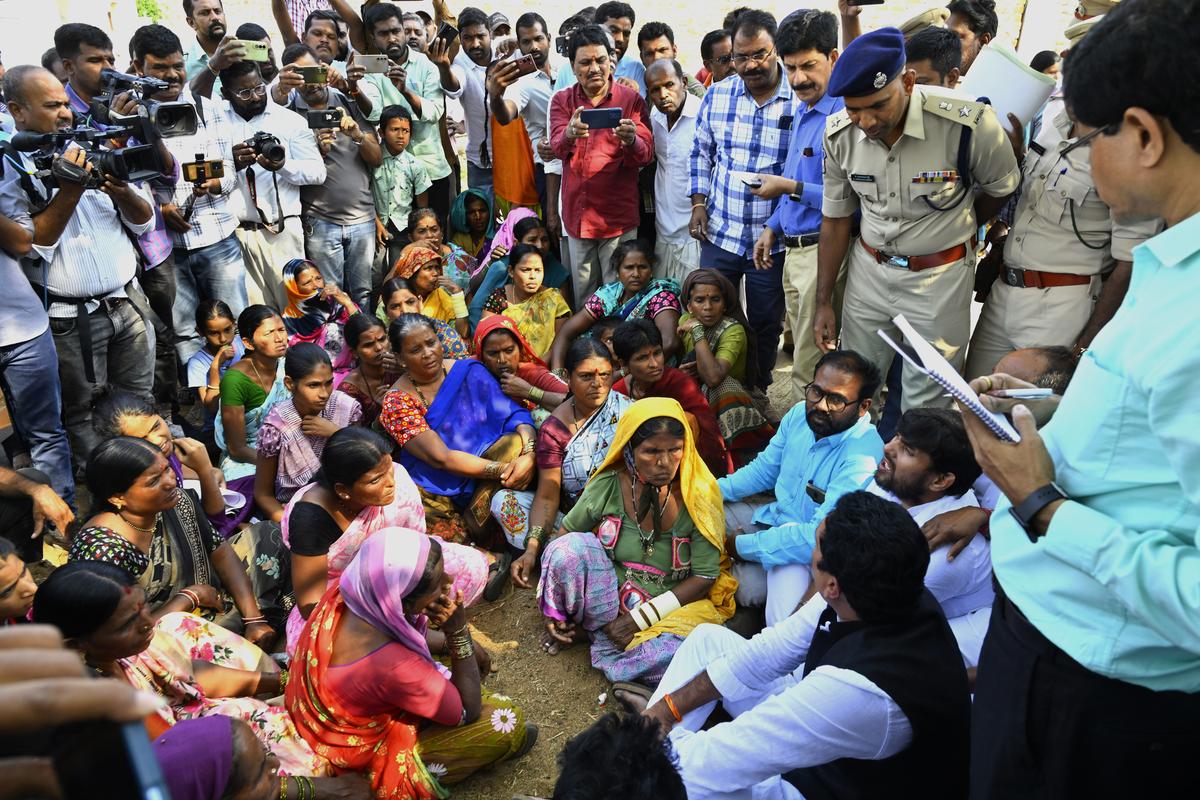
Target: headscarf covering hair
pixel 305 313
pixel 498 322
pixel 412 258
pixel 196 756
pixel 458 213
pixel 505 237
pixel 387 568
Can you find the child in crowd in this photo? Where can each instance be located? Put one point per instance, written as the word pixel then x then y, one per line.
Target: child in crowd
pixel 400 182
pixel 222 349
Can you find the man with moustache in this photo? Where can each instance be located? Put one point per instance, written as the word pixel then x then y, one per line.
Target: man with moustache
pixel 807 43
pixel 716 52
pixel 207 19
pixel 673 122
pixel 822 450
pixel 467 81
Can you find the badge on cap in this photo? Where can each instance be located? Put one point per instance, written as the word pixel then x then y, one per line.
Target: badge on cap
pixel 880 80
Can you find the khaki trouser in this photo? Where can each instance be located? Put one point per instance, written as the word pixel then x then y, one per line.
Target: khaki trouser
pixel 799 293
pixel 1013 319
pixel 265 253
pixel 676 260
pixel 936 302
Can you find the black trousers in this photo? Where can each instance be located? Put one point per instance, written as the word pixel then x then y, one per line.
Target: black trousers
pixel 158 284
pixel 1045 728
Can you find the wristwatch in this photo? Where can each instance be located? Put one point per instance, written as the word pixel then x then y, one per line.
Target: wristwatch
pixel 1024 511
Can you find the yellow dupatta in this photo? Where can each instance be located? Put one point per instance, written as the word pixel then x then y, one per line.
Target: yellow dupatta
pixel 438 306
pixel 703 501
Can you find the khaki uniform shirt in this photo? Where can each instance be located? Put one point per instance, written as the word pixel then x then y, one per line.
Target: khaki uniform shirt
pixel 891 186
pixel 1043 235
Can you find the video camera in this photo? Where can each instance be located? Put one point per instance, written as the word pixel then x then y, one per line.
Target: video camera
pixel 134 163
pixel 165 120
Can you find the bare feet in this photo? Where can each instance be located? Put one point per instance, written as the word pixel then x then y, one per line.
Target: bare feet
pixel 560 635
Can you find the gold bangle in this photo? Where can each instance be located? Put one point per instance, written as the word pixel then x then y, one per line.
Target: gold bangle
pixel 528 447
pixel 493 469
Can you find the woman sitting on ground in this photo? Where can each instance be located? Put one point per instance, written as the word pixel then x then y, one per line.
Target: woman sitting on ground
pixel 441 298
pixel 294 433
pixel 639 561
pixel 458 435
pixel 375 367
pixel 367 691
pixel 521 374
pixel 634 295
pixel 317 312
pixel 539 311
pixel 397 297
pixel 222 349
pixel 521 226
pixel 572 443
pixel 249 390
pixel 425 227
pixel 153 529
pixel 639 348
pixel 358 492
pixel 104 614
pixel 718 351
pixel 472 223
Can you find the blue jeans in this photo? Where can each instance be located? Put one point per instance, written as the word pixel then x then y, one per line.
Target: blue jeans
pixel 213 272
pixel 29 380
pixel 344 254
pixel 479 178
pixel 764 302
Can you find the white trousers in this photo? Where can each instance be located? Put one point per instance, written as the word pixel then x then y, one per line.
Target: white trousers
pixel 780 589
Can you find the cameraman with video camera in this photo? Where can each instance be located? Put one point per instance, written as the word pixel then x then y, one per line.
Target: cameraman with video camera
pixel 81 260
pixel 274 154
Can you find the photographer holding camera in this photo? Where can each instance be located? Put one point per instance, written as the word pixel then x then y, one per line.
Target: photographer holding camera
pixel 339 221
pixel 274 154
pixel 82 260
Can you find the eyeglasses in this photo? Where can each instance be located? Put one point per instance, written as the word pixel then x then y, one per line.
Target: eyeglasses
pixel 758 58
pixel 1086 139
pixel 834 402
pixel 252 92
pixel 723 59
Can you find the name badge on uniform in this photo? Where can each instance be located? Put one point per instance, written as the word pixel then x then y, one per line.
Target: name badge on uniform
pixel 862 178
pixel 936 176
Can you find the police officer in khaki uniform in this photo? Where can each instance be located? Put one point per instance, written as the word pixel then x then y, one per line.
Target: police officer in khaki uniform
pixel 1063 239
pixel 894 154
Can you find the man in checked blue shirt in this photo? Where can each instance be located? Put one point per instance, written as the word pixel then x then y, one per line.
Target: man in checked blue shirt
pixel 807 43
pixel 742 130
pixel 1089 678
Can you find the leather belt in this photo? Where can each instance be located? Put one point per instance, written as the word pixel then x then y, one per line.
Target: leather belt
pixel 1033 279
pixel 258 226
pixel 918 263
pixel 803 240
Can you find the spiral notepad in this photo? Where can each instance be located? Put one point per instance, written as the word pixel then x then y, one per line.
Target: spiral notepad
pixel 925 358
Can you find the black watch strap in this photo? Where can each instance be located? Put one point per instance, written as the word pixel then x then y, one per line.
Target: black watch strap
pixel 1024 511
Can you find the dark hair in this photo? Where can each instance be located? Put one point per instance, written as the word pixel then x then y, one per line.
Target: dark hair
pixel 235 71
pixel 706 276
pixel 349 454
pixel 529 19
pixel 633 335
pixel 941 46
pixel 115 464
pixel 80 596
pixel 853 363
pixel 525 225
pixel 69 39
pixel 49 57
pixel 114 406
pixel 404 325
pixel 519 252
pixel 710 40
pixel 431 564
pixel 213 308
pixel 1044 60
pixel 613 10
pixel 416 214
pixel 155 40
pixel 1138 53
pixel 391 286
pixel 631 246
pixel 752 21
pixel 585 36
pixel 1060 368
pixel 393 112
pixel 610 323
pixel 729 21
pixel 14 82
pixel 940 434
pixel 251 318
pixel 980 15
pixel 303 358
pixel 321 15
pixel 7 549
pixel 878 554
pixel 358 324
pixel 653 427
pixel 251 30
pixel 294 52
pixel 469 17
pixel 584 348
pixel 576 20
pixel 381 12
pixel 806 30
pixel 655 30
pixel 620 755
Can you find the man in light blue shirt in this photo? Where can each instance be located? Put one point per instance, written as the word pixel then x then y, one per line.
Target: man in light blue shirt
pixel 1089 680
pixel 822 450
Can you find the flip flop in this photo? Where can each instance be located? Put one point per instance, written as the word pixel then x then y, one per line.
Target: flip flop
pixel 633 688
pixel 498 577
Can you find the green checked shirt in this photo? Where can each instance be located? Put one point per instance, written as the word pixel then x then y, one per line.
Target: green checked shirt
pixel 422 77
pixel 398 180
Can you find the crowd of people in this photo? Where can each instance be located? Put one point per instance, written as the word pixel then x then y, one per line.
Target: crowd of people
pixel 322 396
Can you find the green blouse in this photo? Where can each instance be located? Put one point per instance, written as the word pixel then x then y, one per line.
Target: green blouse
pixel 731 346
pixel 677 554
pixel 238 389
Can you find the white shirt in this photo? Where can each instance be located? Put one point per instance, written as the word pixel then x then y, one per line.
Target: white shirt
pixel 531 95
pixel 673 150
pixel 211 218
pixel 472 94
pixel 302 167
pixel 797 722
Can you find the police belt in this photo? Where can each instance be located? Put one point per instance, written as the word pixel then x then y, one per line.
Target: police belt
pixel 918 263
pixel 1033 279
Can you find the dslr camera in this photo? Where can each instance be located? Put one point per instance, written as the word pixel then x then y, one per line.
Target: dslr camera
pixel 268 146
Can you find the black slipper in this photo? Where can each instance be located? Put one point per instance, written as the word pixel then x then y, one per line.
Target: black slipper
pixel 498 576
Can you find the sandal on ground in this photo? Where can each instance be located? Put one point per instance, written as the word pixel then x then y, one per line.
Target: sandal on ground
pixel 498 575
pixel 634 689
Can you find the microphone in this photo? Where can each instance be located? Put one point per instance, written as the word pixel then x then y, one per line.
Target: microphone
pixel 26 141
